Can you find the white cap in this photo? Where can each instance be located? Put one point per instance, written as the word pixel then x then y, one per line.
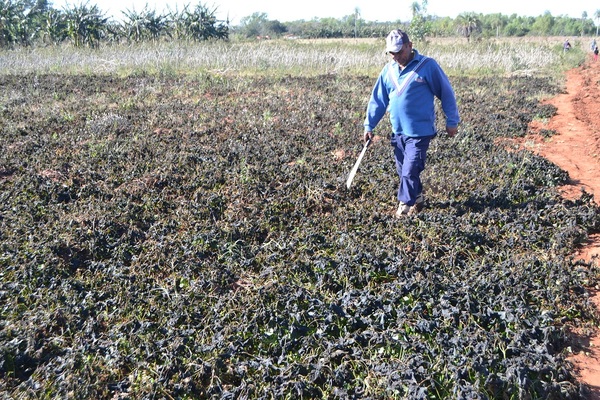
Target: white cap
pixel 395 40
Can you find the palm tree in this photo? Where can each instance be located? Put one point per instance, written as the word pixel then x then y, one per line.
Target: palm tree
pixel 468 23
pixel 597 17
pixel 415 8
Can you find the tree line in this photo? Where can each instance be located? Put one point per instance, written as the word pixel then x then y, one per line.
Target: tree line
pixel 468 25
pixel 36 22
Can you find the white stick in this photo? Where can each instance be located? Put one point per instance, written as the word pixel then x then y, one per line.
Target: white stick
pixel 355 168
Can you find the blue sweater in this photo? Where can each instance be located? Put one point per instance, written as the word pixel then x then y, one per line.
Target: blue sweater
pixel 412 112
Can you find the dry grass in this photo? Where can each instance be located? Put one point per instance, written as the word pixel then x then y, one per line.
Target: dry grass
pixel 297 57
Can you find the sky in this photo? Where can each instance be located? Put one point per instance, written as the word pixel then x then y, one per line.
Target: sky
pixel 370 10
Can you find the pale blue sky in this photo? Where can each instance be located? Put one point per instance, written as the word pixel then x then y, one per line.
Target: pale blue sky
pixel 371 10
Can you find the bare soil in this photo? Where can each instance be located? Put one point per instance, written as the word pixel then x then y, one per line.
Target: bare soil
pixel 575 147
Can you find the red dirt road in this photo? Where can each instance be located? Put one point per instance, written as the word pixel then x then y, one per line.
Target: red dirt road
pixel 576 148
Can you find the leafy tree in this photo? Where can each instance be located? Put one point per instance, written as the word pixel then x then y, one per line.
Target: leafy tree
pixel 442 26
pixel 543 24
pixel 518 26
pixel 597 18
pixel 566 26
pixel 346 26
pixel 419 26
pixel 258 25
pixel 253 25
pixel 275 28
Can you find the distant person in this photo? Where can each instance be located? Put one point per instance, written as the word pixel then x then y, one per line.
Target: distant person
pixel 596 53
pixel 407 87
pixel 566 45
pixel 593 45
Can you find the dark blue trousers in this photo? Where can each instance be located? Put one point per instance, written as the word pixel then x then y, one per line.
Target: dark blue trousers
pixel 410 155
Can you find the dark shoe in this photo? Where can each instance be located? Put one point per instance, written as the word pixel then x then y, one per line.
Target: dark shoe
pixel 419 205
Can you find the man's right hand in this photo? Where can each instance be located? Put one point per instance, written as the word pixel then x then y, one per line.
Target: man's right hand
pixel 368 136
pixel 451 131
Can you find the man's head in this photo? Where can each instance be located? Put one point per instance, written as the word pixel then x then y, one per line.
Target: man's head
pixel 399 47
pixel 395 40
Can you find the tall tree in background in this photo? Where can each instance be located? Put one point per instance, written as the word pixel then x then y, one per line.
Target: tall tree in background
pixel 468 23
pixel 584 16
pixel 543 24
pixel 258 25
pixel 497 21
pixel 597 18
pixel 356 16
pixel 419 27
pixel 252 25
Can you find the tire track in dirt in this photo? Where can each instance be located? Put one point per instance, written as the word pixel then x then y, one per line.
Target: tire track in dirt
pixel 576 149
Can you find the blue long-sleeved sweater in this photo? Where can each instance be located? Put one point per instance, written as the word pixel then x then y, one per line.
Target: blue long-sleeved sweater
pixel 412 112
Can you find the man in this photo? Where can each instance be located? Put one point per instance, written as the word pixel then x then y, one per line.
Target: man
pixel 406 87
